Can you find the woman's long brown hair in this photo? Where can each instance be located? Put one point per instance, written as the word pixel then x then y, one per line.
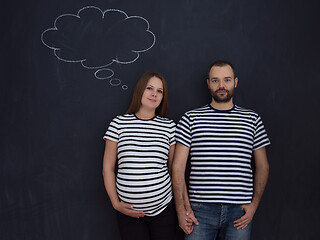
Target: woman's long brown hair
pixel 162 109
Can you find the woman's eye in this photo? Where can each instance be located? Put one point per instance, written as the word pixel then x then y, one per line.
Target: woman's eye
pixel 160 91
pixel 149 88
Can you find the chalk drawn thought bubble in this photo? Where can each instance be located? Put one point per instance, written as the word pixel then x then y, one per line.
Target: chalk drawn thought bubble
pixel 97 39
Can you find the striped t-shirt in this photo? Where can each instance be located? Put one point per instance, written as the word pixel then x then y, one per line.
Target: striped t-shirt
pixel 143 178
pixel 221 145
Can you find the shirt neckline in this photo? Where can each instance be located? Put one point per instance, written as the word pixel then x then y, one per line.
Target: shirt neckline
pixel 144 119
pixel 217 110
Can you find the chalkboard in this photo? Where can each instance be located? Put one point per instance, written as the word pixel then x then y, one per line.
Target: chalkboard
pixel 69 67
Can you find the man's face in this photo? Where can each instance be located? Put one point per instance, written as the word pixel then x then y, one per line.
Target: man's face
pixel 222 83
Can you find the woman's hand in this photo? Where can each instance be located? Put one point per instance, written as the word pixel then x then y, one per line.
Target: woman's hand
pixel 128 210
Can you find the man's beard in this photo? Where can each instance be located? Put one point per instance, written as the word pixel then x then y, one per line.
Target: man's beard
pixel 222 99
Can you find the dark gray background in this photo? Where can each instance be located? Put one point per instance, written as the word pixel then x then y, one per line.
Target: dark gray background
pixel 54 114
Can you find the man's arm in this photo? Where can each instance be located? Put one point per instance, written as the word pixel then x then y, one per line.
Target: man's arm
pixel 184 211
pixel 259 183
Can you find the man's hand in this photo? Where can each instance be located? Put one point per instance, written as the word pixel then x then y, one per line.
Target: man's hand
pixel 185 223
pixel 244 221
pixel 128 210
pixel 186 220
pixel 191 216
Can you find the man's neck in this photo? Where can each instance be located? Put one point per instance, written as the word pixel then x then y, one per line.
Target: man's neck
pixel 222 105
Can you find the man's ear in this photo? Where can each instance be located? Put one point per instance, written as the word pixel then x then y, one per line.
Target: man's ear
pixel 235 82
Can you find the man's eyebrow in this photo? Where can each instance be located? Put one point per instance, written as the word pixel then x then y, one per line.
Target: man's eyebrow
pixel 214 78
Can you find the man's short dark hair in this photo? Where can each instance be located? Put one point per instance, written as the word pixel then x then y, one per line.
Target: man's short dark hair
pixel 222 63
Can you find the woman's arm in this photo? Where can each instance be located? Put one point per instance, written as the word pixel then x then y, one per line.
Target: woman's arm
pixel 109 161
pixel 170 158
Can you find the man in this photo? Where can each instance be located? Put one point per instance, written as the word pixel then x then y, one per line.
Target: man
pixel 221 137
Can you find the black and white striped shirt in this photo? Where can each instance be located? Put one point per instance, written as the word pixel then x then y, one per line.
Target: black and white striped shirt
pixel 143 178
pixel 221 145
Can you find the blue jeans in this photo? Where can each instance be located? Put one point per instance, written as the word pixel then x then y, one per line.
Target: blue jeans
pixel 217 220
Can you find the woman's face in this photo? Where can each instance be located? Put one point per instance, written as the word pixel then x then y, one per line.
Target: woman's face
pixel 153 94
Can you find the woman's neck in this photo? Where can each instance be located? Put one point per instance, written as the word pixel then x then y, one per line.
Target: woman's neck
pixel 144 114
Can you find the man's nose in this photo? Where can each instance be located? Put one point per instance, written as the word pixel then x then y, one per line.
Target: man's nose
pixel 221 84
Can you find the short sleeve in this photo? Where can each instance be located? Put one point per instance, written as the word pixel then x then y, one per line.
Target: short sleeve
pixel 183 132
pixel 113 131
pixel 172 134
pixel 260 138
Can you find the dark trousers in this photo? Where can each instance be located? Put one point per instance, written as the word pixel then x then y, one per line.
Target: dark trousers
pixel 160 227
